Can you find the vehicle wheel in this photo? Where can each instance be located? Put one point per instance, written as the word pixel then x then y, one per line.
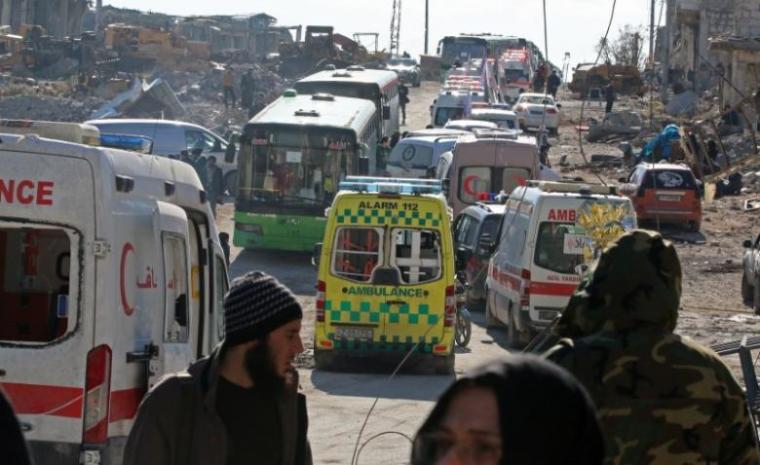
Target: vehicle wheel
pixel 463 330
pixel 513 336
pixel 231 183
pixel 322 360
pixel 756 297
pixel 748 292
pixel 491 320
pixel 554 132
pixel 694 226
pixel 445 365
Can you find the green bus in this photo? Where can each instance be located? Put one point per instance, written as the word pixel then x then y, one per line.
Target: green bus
pixel 293 155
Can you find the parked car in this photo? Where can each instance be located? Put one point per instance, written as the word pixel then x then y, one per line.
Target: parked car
pixel 417 157
pixel 664 193
pixel 476 230
pixel 172 137
pixel 751 274
pixel 409 72
pixel 533 110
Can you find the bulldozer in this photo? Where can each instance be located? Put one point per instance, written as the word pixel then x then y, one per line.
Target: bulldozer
pixel 317 50
pixel 626 80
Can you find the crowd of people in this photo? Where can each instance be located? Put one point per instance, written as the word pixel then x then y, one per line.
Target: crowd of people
pixel 619 387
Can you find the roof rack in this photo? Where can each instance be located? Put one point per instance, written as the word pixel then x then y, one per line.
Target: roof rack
pixel 374 185
pixel 573 188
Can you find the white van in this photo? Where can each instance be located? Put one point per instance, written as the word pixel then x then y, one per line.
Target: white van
pixel 545 239
pixel 172 137
pixel 111 275
pixel 86 134
pixel 417 157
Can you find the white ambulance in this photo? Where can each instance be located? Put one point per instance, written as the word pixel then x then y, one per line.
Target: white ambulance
pixel 111 275
pixel 550 233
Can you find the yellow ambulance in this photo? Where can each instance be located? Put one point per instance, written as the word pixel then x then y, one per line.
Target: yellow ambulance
pixel 386 273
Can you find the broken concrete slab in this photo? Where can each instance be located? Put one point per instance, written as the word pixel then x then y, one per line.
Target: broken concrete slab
pixel 155 100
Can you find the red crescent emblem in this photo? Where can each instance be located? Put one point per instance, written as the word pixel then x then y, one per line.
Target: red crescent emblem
pixel 128 247
pixel 467 185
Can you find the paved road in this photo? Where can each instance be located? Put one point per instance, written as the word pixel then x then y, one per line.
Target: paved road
pixel 339 402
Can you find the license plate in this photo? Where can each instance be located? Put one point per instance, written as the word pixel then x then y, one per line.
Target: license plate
pixel 669 198
pixel 536 112
pixel 361 333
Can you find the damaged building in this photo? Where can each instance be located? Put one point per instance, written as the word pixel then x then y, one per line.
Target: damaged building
pixel 693 26
pixel 60 18
pixel 256 33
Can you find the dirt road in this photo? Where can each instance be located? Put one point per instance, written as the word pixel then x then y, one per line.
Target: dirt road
pixel 339 402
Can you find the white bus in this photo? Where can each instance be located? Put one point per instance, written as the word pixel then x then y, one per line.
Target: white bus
pixel 293 155
pixel 378 86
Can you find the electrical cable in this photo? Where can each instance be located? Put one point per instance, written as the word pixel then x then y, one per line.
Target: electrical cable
pixel 585 97
pixel 379 435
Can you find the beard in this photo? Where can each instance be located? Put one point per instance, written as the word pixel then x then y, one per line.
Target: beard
pixel 259 363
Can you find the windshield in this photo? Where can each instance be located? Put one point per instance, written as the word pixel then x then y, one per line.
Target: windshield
pixel 556 249
pixel 443 115
pixel 462 52
pixel 536 100
pixel 291 167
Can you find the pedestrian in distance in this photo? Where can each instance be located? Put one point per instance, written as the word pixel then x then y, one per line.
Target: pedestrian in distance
pixel 199 163
pixel 241 404
pixel 382 154
pixel 403 100
pixel 519 411
pixel 662 398
pixel 13 448
pixel 553 83
pixel 214 183
pixel 228 82
pixel 609 97
pixel 395 137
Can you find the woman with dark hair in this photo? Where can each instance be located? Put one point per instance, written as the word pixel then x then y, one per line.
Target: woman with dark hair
pixel 521 411
pixel 12 445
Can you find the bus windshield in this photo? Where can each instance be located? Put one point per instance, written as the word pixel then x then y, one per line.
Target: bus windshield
pixel 462 52
pixel 295 167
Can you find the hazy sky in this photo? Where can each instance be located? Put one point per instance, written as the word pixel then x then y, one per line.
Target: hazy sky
pixel 574 25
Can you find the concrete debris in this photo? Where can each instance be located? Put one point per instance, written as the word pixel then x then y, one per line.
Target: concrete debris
pixel 154 100
pixel 683 104
pixel 751 205
pixel 45 108
pixel 625 124
pixel 606 161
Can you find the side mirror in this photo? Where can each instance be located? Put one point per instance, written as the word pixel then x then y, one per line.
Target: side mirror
pixel 229 154
pixel 316 254
pixel 386 112
pixel 461 259
pixel 747 244
pixel 486 245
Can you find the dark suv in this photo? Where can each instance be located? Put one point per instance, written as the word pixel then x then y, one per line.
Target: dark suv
pixel 476 230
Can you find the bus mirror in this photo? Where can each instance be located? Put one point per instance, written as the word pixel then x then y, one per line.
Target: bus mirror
pixel 317 253
pixel 229 154
pixel 386 112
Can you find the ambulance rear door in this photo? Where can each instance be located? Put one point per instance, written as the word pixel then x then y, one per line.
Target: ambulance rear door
pixel 48 250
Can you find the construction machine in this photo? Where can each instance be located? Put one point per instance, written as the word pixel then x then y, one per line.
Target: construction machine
pixel 317 50
pixel 626 80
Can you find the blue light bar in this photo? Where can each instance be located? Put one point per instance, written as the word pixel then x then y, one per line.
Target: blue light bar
pixel 139 144
pixel 392 185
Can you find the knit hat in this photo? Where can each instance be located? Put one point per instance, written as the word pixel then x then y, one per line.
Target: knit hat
pixel 256 305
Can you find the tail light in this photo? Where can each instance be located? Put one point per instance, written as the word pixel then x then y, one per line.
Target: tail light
pixel 551 111
pixel 321 289
pixel 97 395
pixel 451 306
pixel 525 295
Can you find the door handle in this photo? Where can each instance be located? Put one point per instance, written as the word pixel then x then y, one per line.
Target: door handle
pixel 149 352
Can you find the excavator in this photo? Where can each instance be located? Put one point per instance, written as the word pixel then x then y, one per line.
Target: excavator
pixel 316 51
pixel 626 80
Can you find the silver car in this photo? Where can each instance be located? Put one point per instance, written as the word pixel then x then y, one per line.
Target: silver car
pixel 409 72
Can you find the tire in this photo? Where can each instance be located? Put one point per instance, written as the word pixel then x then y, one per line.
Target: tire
pixel 463 331
pixel 513 335
pixel 748 292
pixel 756 297
pixel 231 183
pixel 322 360
pixel 694 226
pixel 444 365
pixel 491 320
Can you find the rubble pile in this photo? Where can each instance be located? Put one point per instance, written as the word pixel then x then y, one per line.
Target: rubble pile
pixel 47 108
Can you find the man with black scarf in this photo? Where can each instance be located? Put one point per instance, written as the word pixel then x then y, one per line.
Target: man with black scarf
pixel 241 404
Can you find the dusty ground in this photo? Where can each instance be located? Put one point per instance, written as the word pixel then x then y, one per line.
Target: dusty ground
pixel 711 312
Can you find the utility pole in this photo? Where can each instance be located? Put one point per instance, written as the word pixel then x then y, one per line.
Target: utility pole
pixel 427 24
pixel 669 7
pixel 98 18
pixel 395 46
pixel 650 66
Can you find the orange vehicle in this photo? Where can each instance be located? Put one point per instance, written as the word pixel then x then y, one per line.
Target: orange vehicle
pixel 664 193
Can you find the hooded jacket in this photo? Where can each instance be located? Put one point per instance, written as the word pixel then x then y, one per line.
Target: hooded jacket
pixel 177 422
pixel 545 416
pixel 661 398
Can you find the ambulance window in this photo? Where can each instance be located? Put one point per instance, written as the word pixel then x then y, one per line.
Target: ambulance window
pixel 473 181
pixel 551 248
pixel 357 253
pixel 221 286
pixel 515 229
pixel 36 303
pixel 175 273
pixel 417 255
pixel 512 178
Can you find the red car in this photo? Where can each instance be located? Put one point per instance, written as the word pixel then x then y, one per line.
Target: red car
pixel 664 194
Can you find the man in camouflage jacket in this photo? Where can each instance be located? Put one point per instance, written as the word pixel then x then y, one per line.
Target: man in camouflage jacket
pixel 661 398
